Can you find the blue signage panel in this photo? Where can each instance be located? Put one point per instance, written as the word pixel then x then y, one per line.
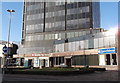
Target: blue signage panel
pixel 106 50
pixel 4 49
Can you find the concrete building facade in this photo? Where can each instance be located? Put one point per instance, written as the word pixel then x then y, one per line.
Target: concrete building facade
pixel 46 22
pixel 56 33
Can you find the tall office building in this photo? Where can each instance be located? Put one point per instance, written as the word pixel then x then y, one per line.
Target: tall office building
pixel 65 33
pixel 46 24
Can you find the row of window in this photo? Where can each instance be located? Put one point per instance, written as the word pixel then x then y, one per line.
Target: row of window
pixel 35 50
pixel 58 13
pixel 41 5
pixel 34 27
pixel 79 45
pixel 57 3
pixel 76 22
pixel 85 60
pixel 56 24
pixel 35 6
pixel 85 44
pixel 60 35
pixel 46 37
pixel 70 4
pixel 35 16
pixel 58 60
pixel 35 0
pixel 78 10
pixel 72 1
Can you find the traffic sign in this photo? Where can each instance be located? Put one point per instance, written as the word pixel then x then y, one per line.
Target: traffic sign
pixel 4 49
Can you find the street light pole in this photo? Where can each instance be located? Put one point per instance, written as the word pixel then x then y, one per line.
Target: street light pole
pixel 10 11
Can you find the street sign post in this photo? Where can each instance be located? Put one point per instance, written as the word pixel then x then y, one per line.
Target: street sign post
pixel 5 49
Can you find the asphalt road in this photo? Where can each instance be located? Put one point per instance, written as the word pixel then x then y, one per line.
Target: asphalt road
pixel 97 76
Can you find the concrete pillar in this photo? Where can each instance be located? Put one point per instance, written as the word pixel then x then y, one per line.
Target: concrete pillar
pixel 55 60
pixel 58 60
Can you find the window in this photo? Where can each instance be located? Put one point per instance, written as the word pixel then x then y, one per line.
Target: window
pixel 56 36
pixel 82 44
pixel 84 33
pixel 47 15
pixel 69 46
pixel 77 46
pixel 46 37
pixel 63 24
pixel 86 44
pixel 76 34
pixel 100 42
pixel 85 60
pixel 27 27
pixel 68 11
pixel 68 35
pixel 50 36
pixel 112 40
pixel 35 26
pixel 53 36
pixel 41 37
pixel 87 9
pixel 28 17
pixel 46 25
pixel 72 34
pixel 63 35
pixel 29 38
pixel 73 46
pixel 106 41
pixel 60 36
pixel 42 15
pixel 96 43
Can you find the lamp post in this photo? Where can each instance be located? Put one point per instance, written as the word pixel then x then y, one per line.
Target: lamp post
pixel 10 11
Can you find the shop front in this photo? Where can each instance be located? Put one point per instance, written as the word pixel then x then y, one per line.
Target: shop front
pixel 76 58
pixel 108 57
pixel 36 60
pixel 18 60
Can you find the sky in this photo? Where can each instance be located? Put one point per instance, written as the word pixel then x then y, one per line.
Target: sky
pixel 109 18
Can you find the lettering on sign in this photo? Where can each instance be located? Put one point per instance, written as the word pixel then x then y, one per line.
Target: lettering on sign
pixel 40 55
pixel 107 50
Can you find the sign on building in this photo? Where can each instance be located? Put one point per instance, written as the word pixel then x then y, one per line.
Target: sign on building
pixel 106 50
pixel 5 49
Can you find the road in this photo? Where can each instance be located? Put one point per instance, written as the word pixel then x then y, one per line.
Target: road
pixel 97 76
pixel 1 75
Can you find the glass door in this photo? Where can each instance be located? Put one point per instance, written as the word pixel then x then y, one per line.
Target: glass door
pixel 114 59
pixel 108 59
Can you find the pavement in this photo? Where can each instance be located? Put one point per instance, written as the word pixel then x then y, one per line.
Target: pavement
pixel 96 76
pixel 1 75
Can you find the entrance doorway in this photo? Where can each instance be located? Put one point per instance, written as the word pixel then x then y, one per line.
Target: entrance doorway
pixel 22 62
pixel 111 59
pixel 51 62
pixel 43 62
pixel 68 62
pixel 107 59
pixel 30 62
pixel 114 60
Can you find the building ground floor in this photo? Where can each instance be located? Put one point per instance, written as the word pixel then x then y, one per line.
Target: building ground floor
pixel 105 58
